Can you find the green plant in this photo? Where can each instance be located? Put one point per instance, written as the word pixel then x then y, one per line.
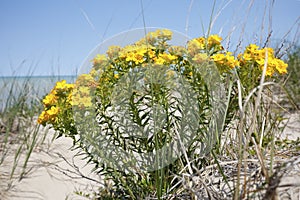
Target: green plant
pixel 126 107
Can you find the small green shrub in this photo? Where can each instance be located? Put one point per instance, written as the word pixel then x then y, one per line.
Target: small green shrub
pixel 137 100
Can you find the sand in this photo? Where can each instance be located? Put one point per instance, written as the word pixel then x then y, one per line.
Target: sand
pixel 52 175
pixel 52 178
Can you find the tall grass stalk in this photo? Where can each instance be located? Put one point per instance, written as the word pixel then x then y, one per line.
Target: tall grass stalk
pixel 19 109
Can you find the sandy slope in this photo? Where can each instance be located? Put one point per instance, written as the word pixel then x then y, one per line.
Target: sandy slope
pixel 50 177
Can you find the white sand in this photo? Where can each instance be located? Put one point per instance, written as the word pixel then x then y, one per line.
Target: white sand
pixel 292 129
pixel 48 179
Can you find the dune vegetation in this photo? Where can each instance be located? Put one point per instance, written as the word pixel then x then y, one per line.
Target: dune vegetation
pixel 160 121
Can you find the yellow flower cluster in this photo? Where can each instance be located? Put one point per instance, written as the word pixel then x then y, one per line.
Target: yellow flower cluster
pixel 204 49
pixel 164 59
pixel 113 51
pixel 136 54
pixel 225 61
pixel 99 60
pixel 161 34
pixel 48 115
pixel 153 49
pixel 213 40
pixel 63 96
pixel 82 92
pixel 211 44
pixel 54 102
pixel 156 38
pixel 258 57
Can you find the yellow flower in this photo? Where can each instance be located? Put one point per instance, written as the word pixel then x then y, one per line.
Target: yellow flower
pixel 42 118
pixel 260 62
pixel 151 54
pixel 84 91
pixel 161 34
pixel 87 101
pixel 113 51
pixel 252 48
pixel 136 54
pixel 137 58
pixel 99 59
pixel 255 55
pixel 201 41
pixel 164 59
pixel 94 73
pixel 168 57
pixel 218 57
pixel 159 61
pixel 50 99
pixel 63 86
pixel 269 71
pixel 281 67
pixel 69 98
pixel 48 115
pixel 116 76
pixel 82 101
pixel 214 40
pixel 74 100
pixel 225 62
pixel 81 96
pixel 231 61
pixel 177 50
pixel 270 51
pixel 247 57
pixel 166 34
pixel 53 111
pixel 85 80
pixel 195 45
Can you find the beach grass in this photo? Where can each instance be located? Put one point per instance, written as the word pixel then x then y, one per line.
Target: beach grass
pixel 20 134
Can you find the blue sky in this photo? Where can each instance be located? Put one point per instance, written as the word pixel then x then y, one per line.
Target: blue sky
pixel 55 36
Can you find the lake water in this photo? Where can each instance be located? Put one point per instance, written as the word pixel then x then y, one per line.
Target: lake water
pixel 32 88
